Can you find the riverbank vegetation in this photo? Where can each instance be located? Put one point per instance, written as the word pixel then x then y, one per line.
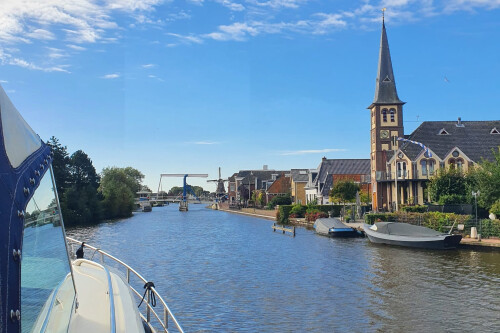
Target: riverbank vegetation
pixel 87 197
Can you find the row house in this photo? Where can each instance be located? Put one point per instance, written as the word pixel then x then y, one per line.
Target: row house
pixel 244 182
pixel 321 181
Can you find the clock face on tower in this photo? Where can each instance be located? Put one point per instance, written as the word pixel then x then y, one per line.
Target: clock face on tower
pixel 384 134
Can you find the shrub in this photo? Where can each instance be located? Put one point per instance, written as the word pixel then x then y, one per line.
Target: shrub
pixel 451 199
pixel 490 228
pixel 283 213
pixel 495 209
pixel 279 200
pixel 298 210
pixel 315 214
pixel 414 209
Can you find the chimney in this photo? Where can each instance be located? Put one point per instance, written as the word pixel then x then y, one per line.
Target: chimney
pixel 265 167
pixel 459 122
pixel 324 158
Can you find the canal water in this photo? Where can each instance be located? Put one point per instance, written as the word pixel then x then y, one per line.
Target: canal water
pixel 230 273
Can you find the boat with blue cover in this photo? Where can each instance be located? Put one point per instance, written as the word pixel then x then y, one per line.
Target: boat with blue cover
pixel 333 227
pixel 42 287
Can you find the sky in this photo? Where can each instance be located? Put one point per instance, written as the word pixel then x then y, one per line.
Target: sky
pixel 169 86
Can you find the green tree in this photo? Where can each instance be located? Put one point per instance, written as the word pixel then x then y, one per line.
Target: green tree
pixel 487 177
pixel 60 165
pixel 80 202
pixel 175 191
pixel 449 186
pixel 118 187
pixel 344 191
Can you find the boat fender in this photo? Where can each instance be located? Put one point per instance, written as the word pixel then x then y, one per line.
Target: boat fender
pixel 152 297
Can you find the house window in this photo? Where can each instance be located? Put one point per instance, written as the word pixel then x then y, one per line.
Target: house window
pixel 401 169
pixel 431 164
pixel 384 115
pixel 460 163
pixel 452 163
pixel 232 187
pixel 393 112
pixel 423 165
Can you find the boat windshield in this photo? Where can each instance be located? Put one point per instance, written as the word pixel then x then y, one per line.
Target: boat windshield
pixel 47 289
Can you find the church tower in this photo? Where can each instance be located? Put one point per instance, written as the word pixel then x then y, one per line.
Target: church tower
pixel 386 124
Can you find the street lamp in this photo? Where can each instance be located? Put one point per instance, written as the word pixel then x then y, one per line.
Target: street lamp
pixel 476 194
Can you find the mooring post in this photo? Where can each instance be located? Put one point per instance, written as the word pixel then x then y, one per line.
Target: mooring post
pixel 293 231
pixel 274 227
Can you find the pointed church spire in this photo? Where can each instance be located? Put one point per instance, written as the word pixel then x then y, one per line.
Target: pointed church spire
pixel 385 89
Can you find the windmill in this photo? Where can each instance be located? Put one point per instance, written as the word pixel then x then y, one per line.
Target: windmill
pixel 220 192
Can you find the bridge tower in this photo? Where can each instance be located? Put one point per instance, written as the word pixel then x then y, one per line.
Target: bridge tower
pixel 183 204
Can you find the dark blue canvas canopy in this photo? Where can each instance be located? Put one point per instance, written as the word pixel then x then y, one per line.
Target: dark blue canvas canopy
pixel 23 162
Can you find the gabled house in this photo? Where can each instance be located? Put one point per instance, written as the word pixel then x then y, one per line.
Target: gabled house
pixel 244 182
pixel 298 182
pixel 330 171
pixel 280 187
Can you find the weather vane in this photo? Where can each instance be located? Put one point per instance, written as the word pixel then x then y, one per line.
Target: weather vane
pixel 383 13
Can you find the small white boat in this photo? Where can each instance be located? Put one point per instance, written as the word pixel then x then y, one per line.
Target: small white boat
pixel 404 234
pixel 41 288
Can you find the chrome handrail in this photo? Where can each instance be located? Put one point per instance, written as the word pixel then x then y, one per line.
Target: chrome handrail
pixel 149 309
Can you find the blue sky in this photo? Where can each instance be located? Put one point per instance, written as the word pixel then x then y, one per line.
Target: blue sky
pixel 171 86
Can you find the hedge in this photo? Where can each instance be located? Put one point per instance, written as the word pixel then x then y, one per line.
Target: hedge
pixel 414 209
pixel 489 228
pixel 284 211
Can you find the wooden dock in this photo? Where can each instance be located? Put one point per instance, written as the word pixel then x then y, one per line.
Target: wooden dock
pixel 283 229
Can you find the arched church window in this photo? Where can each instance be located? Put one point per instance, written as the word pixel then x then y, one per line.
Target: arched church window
pixel 384 115
pixel 393 112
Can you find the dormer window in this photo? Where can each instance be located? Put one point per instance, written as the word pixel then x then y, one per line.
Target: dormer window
pixel 384 115
pixel 386 79
pixel 442 131
pixel 494 131
pixel 393 112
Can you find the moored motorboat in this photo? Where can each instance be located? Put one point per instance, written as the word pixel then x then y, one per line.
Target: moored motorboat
pixel 404 234
pixel 41 288
pixel 333 227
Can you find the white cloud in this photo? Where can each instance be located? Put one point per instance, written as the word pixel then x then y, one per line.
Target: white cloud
pixel 3 81
pixel 8 59
pixel 312 151
pixel 205 143
pixel 196 2
pixel 237 7
pixel 187 39
pixel 148 66
pixel 237 31
pixel 111 76
pixel 41 34
pixel 279 3
pixel 76 47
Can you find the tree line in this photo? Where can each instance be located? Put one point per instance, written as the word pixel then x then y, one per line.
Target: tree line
pixel 87 197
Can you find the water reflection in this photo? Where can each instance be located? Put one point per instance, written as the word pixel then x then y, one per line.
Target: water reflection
pixel 221 271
